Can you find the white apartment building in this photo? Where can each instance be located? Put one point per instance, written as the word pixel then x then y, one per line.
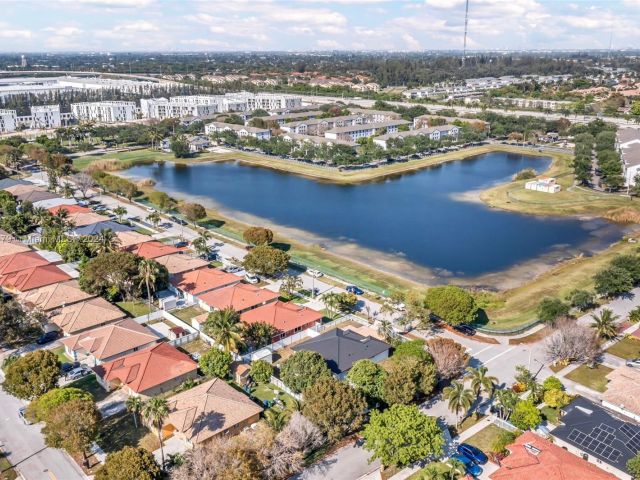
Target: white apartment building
pixel 241 130
pixel 104 112
pixel 434 133
pixel 266 101
pixel 628 145
pixel 535 103
pixel 45 117
pixel 356 132
pixel 8 121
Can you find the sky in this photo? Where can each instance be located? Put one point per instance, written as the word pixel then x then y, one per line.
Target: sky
pixel 306 25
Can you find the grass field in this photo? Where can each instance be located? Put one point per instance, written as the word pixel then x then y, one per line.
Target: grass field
pixel 423 474
pixel 6 471
pixel 119 431
pixel 593 378
pixel 186 314
pixel 485 438
pixel 91 385
pixel 627 348
pixel 59 351
pixel 136 308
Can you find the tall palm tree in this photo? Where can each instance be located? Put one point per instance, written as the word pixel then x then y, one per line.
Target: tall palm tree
pixel 385 329
pixel 134 405
pixel 505 402
pixel 459 398
pixel 332 303
pixel 224 327
pixel 156 410
pixel 106 242
pixel 154 218
pixel 200 246
pixel 120 212
pixel 480 381
pixel 605 324
pixel 148 272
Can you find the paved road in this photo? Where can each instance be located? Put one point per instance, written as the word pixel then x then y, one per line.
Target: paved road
pixel 348 463
pixel 24 446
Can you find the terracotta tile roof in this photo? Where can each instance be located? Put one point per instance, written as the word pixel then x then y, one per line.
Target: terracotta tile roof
pixel 81 219
pixel 30 192
pixel 545 461
pixel 114 339
pixel 153 249
pixel 240 297
pixel 34 277
pixel 9 245
pixel 87 314
pixel 69 208
pixel 284 316
pixel 180 263
pixel 131 238
pixel 23 188
pixel 21 261
pixel 147 368
pixel 203 280
pixel 54 296
pixel 623 389
pixel 209 409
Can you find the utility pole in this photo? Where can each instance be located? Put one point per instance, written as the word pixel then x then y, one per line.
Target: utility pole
pixel 466 26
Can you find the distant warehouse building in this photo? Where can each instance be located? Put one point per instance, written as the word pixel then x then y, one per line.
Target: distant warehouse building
pixel 547 185
pixel 628 145
pixel 104 112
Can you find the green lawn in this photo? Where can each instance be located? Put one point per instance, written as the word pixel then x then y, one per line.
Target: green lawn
pixel 265 391
pixel 186 314
pixel 551 415
pixel 197 346
pixel 423 474
pixel 593 378
pixel 119 431
pixel 143 231
pixel 466 424
pixel 59 351
pixel 6 471
pixel 627 348
pixel 485 438
pixel 136 308
pixel 91 385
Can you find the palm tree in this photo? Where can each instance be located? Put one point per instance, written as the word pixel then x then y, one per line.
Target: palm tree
pixel 120 211
pixel 156 410
pixel 106 241
pixel 134 405
pixel 67 190
pixel 224 327
pixel 505 402
pixel 385 329
pixel 459 398
pixel 276 418
pixel 480 381
pixel 154 218
pixel 155 135
pixel 200 246
pixel 148 272
pixel 332 303
pixel 605 324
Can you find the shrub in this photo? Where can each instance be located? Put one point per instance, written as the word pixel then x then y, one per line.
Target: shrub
pixel 526 415
pixel 216 363
pixel 261 371
pixel 452 304
pixel 526 174
pixel 556 398
pixel 551 309
pixel 552 383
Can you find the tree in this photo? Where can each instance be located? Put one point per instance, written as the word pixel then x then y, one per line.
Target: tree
pixel 407 379
pixel 571 342
pixel 300 434
pixel 73 426
pixel 633 465
pixel 412 349
pixel 290 284
pixel 551 309
pixel 401 435
pixel 368 377
pixel 154 218
pixel 526 415
pixel 459 398
pixel 504 438
pixel 556 398
pixel 120 212
pixel 180 146
pixel 216 363
pixel 266 260
pixel 452 304
pixel 224 327
pixel 130 463
pixel 449 356
pixel 505 402
pixel 481 381
pixel 552 383
pixel 18 325
pixel 193 212
pixel 335 407
pixel 148 273
pixel 259 334
pixel 134 406
pixel 604 324
pixel 114 271
pixel 258 236
pixel 629 263
pixel 32 375
pixel 40 408
pixel 580 299
pixel 201 247
pixel 261 371
pixel 156 410
pixel 303 369
pixel 612 281
pixel 106 241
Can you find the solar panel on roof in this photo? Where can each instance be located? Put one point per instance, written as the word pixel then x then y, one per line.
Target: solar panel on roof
pixel 607 428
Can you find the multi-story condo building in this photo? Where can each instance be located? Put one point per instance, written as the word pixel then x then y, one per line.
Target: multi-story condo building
pixel 538 103
pixel 46 116
pixel 241 130
pixel 8 121
pixel 434 133
pixel 356 132
pixel 104 112
pixel 266 101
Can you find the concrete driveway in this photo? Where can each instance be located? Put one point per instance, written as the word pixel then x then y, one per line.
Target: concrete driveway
pixel 348 463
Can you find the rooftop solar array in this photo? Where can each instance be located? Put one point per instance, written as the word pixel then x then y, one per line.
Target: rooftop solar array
pixel 598 442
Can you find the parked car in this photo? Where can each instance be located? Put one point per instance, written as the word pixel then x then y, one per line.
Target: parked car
pixel 21 412
pixel 77 373
pixel 633 363
pixel 398 307
pixel 151 209
pixel 47 337
pixel 251 278
pixel 473 453
pixel 179 221
pixel 181 244
pixel 166 225
pixel 67 367
pixel 465 329
pixel 232 269
pixel 354 289
pixel 469 467
pixel 314 273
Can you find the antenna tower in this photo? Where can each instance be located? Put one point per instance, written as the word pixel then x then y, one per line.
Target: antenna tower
pixel 466 25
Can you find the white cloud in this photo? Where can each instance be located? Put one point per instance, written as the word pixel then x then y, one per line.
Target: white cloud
pixel 67 31
pixel 113 3
pixel 138 26
pixel 6 32
pixel 206 42
pixel 328 44
pixel 411 42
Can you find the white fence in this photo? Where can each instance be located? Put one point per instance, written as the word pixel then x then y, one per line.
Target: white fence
pixel 280 384
pixel 184 339
pixel 503 424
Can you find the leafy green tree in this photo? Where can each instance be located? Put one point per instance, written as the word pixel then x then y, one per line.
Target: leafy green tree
pixel 401 435
pixel 193 212
pixel 40 408
pixel 580 299
pixel 412 348
pixel 551 309
pixel 225 327
pixel 605 324
pixel 552 383
pixel 130 463
pixel 634 315
pixel 459 398
pixel 633 465
pixel 335 407
pixel 505 402
pixel 303 369
pixel 290 284
pixel 156 410
pixel 612 281
pixel 120 211
pixel 180 146
pixel 526 415
pixel 216 363
pixel 258 236
pixel 368 377
pixel 630 263
pixel 32 375
pixel 504 438
pixel 452 304
pixel 266 260
pixel 18 325
pixel 154 218
pixel 261 371
pixel 407 379
pixel 556 398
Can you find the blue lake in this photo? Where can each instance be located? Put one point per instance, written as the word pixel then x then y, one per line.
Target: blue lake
pixel 427 217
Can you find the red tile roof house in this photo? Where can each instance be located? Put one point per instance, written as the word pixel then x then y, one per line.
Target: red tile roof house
pixel 180 263
pixel 535 458
pixel 241 297
pixel 194 283
pixel 86 315
pixel 69 208
pixel 32 278
pixel 104 344
pixel 287 318
pixel 54 296
pixel 21 261
pixel 148 372
pixel 153 249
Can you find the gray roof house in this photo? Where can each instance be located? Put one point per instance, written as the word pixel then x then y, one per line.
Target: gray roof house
pixel 342 348
pixel 96 228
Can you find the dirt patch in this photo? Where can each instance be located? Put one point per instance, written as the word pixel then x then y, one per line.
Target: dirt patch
pixel 477 337
pixel 533 338
pixel 623 215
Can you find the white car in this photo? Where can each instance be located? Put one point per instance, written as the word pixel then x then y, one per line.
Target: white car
pixel 151 210
pixel 314 273
pixel 77 373
pixel 251 278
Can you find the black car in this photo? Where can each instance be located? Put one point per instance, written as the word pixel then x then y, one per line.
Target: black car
pixel 67 366
pixel 465 329
pixel 47 337
pixel 181 244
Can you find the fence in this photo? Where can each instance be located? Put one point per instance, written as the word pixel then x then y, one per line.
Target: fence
pixel 184 339
pixel 280 384
pixel 503 424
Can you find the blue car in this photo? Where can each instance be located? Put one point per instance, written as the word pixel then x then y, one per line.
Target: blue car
pixel 469 467
pixel 473 453
pixel 354 289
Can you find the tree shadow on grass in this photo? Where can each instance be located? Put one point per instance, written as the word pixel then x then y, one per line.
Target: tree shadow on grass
pixel 285 247
pixel 211 223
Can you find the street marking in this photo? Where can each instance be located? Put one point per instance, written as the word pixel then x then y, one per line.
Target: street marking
pixel 480 351
pixel 499 355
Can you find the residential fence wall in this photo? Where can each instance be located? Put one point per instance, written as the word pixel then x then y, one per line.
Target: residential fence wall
pixel 280 384
pixel 503 424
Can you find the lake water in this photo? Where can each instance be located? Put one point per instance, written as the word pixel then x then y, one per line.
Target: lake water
pixel 427 217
